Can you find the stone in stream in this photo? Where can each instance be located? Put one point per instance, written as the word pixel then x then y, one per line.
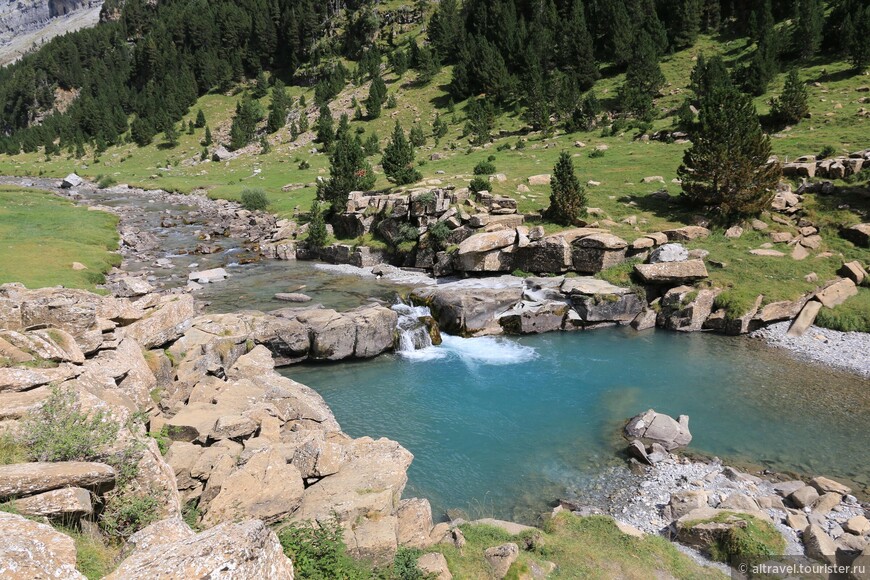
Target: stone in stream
pixel 292 297
pixel 70 181
pixel 208 276
pixel 655 427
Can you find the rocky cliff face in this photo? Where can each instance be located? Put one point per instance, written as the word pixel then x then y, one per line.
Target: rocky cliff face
pixel 22 16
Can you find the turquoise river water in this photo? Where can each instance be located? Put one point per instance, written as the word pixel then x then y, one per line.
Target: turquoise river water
pixel 503 426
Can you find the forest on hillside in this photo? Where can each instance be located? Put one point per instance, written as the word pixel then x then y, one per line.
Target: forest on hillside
pixel 136 74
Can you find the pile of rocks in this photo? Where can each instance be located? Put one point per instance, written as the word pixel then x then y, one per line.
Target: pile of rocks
pixel 245 441
pixel 833 168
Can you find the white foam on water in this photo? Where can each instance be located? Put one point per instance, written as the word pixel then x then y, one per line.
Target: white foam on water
pixel 427 354
pixel 488 350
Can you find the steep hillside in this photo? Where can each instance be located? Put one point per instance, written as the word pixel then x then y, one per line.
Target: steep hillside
pixel 29 24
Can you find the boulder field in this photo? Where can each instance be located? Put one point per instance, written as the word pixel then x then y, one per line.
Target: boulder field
pixel 249 446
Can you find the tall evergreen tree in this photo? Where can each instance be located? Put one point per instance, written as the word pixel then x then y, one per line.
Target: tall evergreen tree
pixel 348 168
pixel 398 160
pixel 682 19
pixel 376 98
pixel 207 139
pixel 317 233
pixel 793 104
pixel 643 79
pixel 616 30
pixel 200 119
pixel 481 118
pixel 244 126
pixel 765 60
pixel 577 50
pixel 445 30
pixel 277 108
pixel 567 197
pixel 325 127
pixel 726 168
pixel 170 135
pixel 856 34
pixel 809 19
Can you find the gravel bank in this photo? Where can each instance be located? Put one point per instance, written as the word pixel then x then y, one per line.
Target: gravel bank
pixel 848 351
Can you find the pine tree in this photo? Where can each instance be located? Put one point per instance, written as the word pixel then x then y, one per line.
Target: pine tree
pixel 200 119
pixel 481 118
pixel 577 53
pixel 261 86
pixel 793 104
pixel 317 233
pixel 348 169
pixel 207 140
pixel 856 35
pixel 445 30
pixel 398 160
pixel 726 168
pixel 170 135
pixel 277 108
pixel 643 79
pixel 416 136
pixel 809 24
pixel 190 128
pixel 567 197
pixel 376 98
pixel 204 154
pixel 439 128
pixel 765 60
pixel 372 145
pixel 682 21
pixel 265 147
pixel 325 124
pixel 617 31
pixel 303 122
pixel 244 126
pixel 294 131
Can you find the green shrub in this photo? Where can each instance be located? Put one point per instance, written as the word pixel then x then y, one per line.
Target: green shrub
pixel 827 151
pixel 254 199
pixel 106 181
pixel 304 165
pixel 750 538
pixel 407 233
pixel 484 168
pixel 127 511
pixel 191 513
pixel 438 234
pixel 318 552
pixel 317 232
pixel 479 184
pixel 521 273
pixel 596 153
pixel 162 438
pixel 61 431
pixel 405 565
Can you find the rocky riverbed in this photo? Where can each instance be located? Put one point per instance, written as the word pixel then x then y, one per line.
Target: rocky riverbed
pixel 849 351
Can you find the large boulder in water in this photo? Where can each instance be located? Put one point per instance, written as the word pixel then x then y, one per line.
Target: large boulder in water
pixel 651 427
pixel 468 310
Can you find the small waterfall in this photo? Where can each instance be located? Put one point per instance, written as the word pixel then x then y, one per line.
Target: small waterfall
pixel 413 327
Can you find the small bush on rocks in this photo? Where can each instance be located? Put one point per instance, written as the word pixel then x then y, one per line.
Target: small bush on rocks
pixel 61 431
pixel 484 168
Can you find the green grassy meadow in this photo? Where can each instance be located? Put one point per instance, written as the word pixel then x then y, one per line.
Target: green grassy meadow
pixel 41 235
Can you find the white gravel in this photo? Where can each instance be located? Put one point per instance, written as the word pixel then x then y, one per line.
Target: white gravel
pixel 849 351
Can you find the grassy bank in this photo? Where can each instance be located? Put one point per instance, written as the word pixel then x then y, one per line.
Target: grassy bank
pixel 591 547
pixel 41 235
